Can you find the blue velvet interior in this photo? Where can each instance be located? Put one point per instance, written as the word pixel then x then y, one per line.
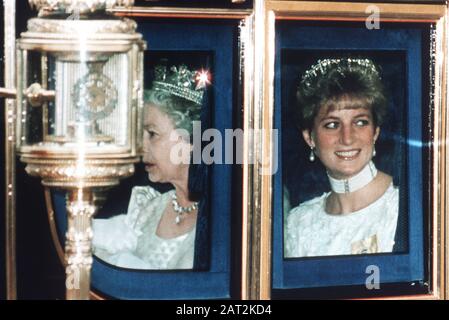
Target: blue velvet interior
pixel 400 149
pixel 217 38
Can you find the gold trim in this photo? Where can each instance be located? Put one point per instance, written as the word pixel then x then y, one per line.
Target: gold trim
pixel 171 12
pixel 68 174
pixel 78 245
pixel 132 121
pixel 267 158
pixel 262 189
pixel 431 296
pixel 444 213
pixel 44 81
pixel 246 42
pixel 53 228
pixel 439 285
pixel 254 214
pixel 258 148
pixel 347 11
pixel 441 156
pixel 39 152
pixel 96 296
pixel 433 242
pixel 54 236
pixel 8 93
pixel 22 64
pixel 10 156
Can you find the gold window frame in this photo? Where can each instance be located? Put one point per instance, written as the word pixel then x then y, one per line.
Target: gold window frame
pixel 259 187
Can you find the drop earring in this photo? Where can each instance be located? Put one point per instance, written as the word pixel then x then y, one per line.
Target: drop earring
pixel 312 154
pixel 374 150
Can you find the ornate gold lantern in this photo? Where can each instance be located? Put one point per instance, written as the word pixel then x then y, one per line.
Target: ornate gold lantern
pixel 78 115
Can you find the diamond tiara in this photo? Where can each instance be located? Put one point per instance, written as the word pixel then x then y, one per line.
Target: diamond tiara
pixel 323 66
pixel 181 82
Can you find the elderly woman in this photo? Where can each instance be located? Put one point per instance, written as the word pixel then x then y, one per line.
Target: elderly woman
pixel 341 107
pixel 158 231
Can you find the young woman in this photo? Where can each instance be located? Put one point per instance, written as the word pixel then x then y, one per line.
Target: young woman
pixel 341 106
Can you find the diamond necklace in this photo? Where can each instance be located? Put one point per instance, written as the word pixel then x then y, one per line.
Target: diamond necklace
pixel 180 210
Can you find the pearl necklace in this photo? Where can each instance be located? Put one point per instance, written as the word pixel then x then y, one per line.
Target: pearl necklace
pixel 180 211
pixel 356 182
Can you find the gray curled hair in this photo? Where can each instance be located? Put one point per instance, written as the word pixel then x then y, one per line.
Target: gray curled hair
pixel 181 111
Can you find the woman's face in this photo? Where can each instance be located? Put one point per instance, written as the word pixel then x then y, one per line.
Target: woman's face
pixel 166 153
pixel 344 139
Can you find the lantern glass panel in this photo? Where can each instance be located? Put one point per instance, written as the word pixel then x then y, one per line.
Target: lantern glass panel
pixel 87 99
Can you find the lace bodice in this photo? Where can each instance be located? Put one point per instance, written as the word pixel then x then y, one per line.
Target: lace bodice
pixel 130 240
pixel 310 231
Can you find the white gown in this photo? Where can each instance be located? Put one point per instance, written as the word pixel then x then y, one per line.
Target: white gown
pixel 311 232
pixel 130 240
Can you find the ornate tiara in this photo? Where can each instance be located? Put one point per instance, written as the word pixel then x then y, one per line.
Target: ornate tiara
pixel 181 82
pixel 323 66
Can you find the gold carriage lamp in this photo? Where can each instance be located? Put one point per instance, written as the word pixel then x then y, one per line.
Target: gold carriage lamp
pixel 79 101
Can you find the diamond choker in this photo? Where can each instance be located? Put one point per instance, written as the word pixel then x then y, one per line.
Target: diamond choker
pixel 356 182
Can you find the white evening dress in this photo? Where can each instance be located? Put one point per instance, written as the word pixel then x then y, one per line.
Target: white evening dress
pixel 130 240
pixel 311 232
